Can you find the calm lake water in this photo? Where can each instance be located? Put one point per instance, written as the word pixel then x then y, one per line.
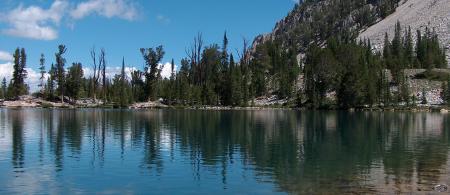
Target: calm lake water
pixel 44 151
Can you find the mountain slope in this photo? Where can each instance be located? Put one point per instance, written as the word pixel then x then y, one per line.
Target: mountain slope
pixel 418 14
pixel 314 21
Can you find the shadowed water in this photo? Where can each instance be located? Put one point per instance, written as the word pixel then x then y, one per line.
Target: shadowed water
pixel 44 151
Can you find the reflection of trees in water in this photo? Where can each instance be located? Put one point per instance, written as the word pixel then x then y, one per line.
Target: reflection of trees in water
pixel 18 148
pixel 301 151
pixel 304 152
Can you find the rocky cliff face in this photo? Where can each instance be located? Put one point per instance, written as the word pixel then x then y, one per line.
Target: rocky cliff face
pixel 418 14
pixel 314 22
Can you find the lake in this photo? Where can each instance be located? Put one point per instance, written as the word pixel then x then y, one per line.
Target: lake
pixel 51 151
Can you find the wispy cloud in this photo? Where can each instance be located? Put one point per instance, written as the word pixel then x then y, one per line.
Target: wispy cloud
pixel 107 8
pixel 38 23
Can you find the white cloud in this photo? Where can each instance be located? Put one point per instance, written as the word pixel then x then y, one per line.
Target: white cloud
pixel 108 8
pixel 38 23
pixel 6 71
pixel 110 71
pixel 5 56
pixel 166 69
pixel 34 22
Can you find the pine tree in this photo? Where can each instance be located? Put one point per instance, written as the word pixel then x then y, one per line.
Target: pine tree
pixel 152 58
pixel 409 48
pixel 123 96
pixel 172 86
pixel 50 89
pixel 138 86
pixel 4 88
pixel 42 71
pixel 18 86
pixel 420 49
pixel 60 71
pixel 74 80
pixel 236 85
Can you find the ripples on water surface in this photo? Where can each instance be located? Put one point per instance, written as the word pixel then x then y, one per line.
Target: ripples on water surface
pixel 228 152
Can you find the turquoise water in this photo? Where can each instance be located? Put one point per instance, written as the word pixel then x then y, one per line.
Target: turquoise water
pixel 45 151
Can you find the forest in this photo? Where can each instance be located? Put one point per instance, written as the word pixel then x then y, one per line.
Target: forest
pixel 211 75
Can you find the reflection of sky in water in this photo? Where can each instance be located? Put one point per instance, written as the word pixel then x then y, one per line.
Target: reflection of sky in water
pixel 94 151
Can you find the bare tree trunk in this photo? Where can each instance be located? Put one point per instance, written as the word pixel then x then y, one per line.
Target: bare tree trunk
pixel 103 62
pixel 97 70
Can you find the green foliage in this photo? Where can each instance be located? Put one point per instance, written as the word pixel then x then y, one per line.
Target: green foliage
pixel 49 93
pixel 18 86
pixel 428 51
pixel 74 81
pixel 434 75
pixel 42 72
pixel 152 71
pixel 60 71
pixel 3 89
pixel 348 68
pixel 138 86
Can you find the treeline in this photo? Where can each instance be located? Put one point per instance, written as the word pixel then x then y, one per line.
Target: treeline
pixel 211 75
pixel 345 69
pixel 359 76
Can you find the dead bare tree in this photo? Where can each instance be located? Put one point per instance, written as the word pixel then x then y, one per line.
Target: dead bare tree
pixel 244 55
pixel 103 66
pixel 96 75
pixel 99 69
pixel 194 54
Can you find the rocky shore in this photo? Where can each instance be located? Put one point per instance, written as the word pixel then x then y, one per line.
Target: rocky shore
pixel 262 103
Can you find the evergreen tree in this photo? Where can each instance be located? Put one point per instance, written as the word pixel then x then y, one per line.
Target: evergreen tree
pixel 74 80
pixel 236 83
pixel 50 88
pixel 18 86
pixel 138 86
pixel 171 85
pixel 42 72
pixel 4 88
pixel 152 59
pixel 123 96
pixel 184 92
pixel 60 71
pixel 409 48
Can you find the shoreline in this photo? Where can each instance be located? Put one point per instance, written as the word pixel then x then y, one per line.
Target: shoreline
pixel 158 106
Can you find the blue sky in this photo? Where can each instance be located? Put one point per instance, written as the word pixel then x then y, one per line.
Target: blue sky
pixel 124 26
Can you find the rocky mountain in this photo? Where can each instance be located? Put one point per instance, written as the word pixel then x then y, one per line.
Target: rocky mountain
pixel 418 14
pixel 314 21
